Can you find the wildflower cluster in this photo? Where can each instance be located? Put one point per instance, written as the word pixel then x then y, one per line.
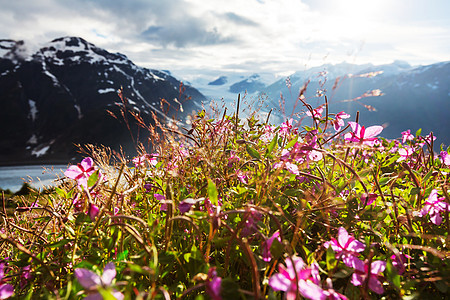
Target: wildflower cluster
pixel 238 208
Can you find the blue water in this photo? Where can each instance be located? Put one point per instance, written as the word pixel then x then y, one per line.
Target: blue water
pixel 13 177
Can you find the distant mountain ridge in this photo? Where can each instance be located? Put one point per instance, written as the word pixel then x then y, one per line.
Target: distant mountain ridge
pixel 412 97
pixel 60 95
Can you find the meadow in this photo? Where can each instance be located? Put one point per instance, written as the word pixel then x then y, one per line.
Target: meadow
pixel 319 207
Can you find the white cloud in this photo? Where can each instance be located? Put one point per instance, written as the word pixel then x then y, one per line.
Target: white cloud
pixel 277 35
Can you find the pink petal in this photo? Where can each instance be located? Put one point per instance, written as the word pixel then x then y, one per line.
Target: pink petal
pixel 342 236
pixel 118 295
pixel 355 126
pixel 433 196
pixel 342 115
pixel 87 278
pixel 159 197
pixel 72 172
pixel 278 282
pixel 353 262
pixel 436 219
pixel 298 265
pixel 109 273
pixel 377 267
pixel 6 291
pixel 96 296
pixel 93 211
pixel 373 131
pixel 357 279
pixel 87 163
pixel 310 290
pixel 375 285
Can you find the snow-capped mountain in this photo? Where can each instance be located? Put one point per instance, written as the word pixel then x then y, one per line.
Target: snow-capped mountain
pixel 226 85
pixel 61 94
pixel 411 97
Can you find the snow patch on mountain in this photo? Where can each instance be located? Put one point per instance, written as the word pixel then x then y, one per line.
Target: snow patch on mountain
pixel 105 91
pixel 40 150
pixel 219 81
pixel 33 110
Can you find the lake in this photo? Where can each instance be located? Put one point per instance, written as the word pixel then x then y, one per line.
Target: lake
pixel 13 177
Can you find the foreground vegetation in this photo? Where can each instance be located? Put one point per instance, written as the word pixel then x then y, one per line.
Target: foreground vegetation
pixel 236 208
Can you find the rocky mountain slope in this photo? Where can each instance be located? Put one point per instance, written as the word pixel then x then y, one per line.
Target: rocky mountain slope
pixel 60 96
pixel 410 97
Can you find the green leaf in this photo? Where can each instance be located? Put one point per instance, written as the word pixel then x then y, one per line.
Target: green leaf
pixel 106 294
pixel 276 249
pixel 61 192
pixel 82 218
pixel 272 145
pixel 392 274
pixel 331 259
pixel 414 191
pixel 93 178
pixel 136 268
pixel 418 132
pixel 426 177
pixel 229 289
pixel 383 181
pixel 57 244
pixel 252 151
pixel 69 229
pixel 212 192
pixel 292 143
pixel 122 256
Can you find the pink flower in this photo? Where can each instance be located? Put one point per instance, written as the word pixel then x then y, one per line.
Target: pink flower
pixel 92 211
pixel 407 136
pixel 185 205
pixel 405 153
pixel 293 168
pixel 267 256
pixel 81 172
pixel 24 277
pixel 242 177
pixel 214 284
pixel 346 247
pixel 317 112
pixel 338 121
pixel 287 281
pixel 427 139
pixel 399 262
pixel 232 159
pixel 286 127
pixel 140 160
pixel 250 227
pixel 368 198
pixel 268 133
pixel 6 290
pixel 331 293
pixel 362 272
pixel 434 206
pixel 363 135
pixel 445 158
pixel 161 199
pixel 91 281
pixel 315 155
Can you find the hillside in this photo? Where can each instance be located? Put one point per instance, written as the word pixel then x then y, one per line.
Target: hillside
pixel 59 96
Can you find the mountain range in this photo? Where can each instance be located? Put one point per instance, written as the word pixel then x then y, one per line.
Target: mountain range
pixel 65 93
pixel 397 95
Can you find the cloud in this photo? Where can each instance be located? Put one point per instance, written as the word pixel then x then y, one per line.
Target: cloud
pixel 239 20
pixel 185 33
pixel 281 35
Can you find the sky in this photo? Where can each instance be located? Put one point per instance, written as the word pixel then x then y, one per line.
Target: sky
pixel 191 37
